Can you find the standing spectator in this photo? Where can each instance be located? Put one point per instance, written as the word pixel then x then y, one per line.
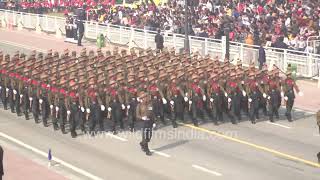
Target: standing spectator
pixel 262 56
pixel 159 41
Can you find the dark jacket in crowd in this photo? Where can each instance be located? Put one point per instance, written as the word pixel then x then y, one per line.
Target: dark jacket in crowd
pixel 159 41
pixel 262 55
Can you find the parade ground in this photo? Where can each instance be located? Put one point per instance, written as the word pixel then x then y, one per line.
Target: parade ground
pixel 264 151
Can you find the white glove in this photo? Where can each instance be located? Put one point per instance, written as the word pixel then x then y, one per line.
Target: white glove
pixel 7 89
pixel 300 93
pixel 164 101
pixel 123 106
pixel 186 99
pixel 250 100
pixel 57 108
pixel 264 95
pixel 211 99
pixel 68 112
pixel 14 91
pixel 171 102
pixel 138 99
pixel 225 94
pixel 269 97
pixel 204 98
pixel 51 106
pixel 186 94
pixel 40 101
pixel 88 110
pixel 0 87
pixel 30 98
pixel 155 97
pixel 154 125
pixel 128 107
pixel 109 109
pixel 144 118
pixel 286 98
pixel 242 82
pixel 244 93
pixel 102 108
pixel 82 109
pixel 21 95
pixel 190 102
pixel 282 94
pixel 229 99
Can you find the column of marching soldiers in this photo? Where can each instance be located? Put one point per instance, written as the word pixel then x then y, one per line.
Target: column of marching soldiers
pixel 87 90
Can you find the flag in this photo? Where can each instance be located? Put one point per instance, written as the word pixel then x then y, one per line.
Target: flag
pixel 49 155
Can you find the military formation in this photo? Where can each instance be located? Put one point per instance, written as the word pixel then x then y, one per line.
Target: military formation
pixel 87 90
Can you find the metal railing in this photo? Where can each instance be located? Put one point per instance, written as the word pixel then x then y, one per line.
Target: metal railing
pixel 307 63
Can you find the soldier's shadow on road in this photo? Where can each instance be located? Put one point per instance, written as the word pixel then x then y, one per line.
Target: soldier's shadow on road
pixel 172 145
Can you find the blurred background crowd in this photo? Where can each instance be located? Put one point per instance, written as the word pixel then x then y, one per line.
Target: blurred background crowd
pixel 277 23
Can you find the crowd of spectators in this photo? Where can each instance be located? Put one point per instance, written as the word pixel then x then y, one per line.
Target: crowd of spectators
pixel 277 23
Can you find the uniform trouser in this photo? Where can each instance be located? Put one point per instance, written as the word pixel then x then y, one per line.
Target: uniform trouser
pixel 18 104
pixel 54 116
pixel 158 109
pixel 73 119
pixel 26 106
pixel 244 105
pixel 263 105
pixel 45 111
pixel 96 117
pixel 62 117
pixel 117 118
pixel 4 98
pixel 253 111
pixel 216 113
pixel 195 111
pixel 273 110
pixel 289 106
pixel 132 120
pixel 35 108
pixel 11 100
pixel 146 134
pixel 82 120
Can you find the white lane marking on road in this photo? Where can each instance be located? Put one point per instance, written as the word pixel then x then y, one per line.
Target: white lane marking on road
pixel 76 169
pixel 22 46
pixel 160 153
pixel 280 125
pixel 206 170
pixel 117 137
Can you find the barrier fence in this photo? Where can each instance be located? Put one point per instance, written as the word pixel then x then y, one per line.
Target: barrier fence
pixel 307 63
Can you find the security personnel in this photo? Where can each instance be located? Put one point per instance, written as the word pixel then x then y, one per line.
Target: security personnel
pixel 43 102
pixel 145 113
pixel 234 100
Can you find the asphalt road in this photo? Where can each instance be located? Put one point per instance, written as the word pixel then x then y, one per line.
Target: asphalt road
pixel 183 153
pixel 263 151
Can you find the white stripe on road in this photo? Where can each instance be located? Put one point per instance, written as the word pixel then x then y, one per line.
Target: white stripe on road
pixel 160 153
pixel 76 169
pixel 206 170
pixel 280 125
pixel 117 137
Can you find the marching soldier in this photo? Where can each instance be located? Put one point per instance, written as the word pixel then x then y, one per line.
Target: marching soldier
pixel 289 95
pixel 145 113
